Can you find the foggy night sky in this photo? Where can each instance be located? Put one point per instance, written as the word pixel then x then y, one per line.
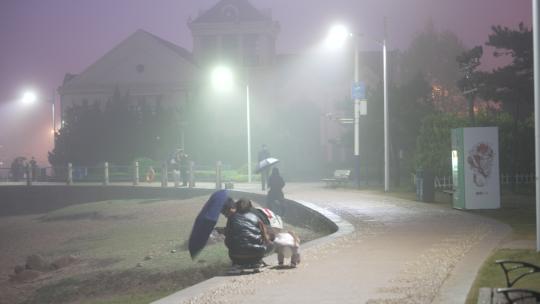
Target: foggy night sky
pixel 41 40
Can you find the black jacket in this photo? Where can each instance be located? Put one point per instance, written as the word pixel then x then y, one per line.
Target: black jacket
pixel 276 184
pixel 243 236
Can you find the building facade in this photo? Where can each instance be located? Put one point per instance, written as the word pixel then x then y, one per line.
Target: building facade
pixel 292 95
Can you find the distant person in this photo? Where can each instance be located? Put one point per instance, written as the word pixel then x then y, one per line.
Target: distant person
pixel 175 165
pixel 34 168
pixel 264 153
pixel 150 174
pixel 183 161
pixel 275 195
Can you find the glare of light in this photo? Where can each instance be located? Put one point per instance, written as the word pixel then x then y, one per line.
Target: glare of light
pixel 337 36
pixel 29 98
pixel 222 79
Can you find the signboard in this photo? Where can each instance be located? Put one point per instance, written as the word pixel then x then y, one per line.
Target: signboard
pixel 475 168
pixel 358 90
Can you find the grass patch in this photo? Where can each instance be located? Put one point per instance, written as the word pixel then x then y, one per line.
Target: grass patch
pixel 129 251
pixel 127 286
pixel 491 274
pixel 518 211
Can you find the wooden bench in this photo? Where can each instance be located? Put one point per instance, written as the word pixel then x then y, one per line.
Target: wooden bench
pixel 513 272
pixel 341 177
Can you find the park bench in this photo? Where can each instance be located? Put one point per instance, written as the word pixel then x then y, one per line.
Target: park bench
pixel 513 272
pixel 341 177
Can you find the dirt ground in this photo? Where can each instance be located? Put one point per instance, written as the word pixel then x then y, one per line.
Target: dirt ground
pixel 113 248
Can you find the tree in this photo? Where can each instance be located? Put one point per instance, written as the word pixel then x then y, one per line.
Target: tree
pixel 468 62
pixel 432 54
pixel 512 84
pixel 119 133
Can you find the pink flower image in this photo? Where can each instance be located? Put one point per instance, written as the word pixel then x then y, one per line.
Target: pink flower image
pixel 480 161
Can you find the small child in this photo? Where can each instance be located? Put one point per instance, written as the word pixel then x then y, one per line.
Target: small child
pixel 287 244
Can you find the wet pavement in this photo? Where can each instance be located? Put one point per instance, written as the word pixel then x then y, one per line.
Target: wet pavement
pixel 388 250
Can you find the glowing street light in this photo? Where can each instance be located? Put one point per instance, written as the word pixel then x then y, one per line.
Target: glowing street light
pixel 222 79
pixel 337 36
pixel 28 98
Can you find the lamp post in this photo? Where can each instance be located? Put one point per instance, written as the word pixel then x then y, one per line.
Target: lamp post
pixel 337 37
pixel 536 46
pixel 223 80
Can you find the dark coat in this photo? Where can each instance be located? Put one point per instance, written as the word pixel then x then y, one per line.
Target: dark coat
pixel 276 184
pixel 243 236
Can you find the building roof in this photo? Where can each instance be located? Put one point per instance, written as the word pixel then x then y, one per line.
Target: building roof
pixel 140 58
pixel 231 11
pixel 187 55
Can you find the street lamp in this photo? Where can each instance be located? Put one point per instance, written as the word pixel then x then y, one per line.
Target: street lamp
pixel 337 36
pixel 222 79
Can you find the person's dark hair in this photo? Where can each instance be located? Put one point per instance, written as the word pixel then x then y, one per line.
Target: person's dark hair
pixel 275 171
pixel 243 205
pixel 229 204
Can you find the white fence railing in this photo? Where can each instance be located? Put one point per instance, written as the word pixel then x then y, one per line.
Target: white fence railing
pixel 446 183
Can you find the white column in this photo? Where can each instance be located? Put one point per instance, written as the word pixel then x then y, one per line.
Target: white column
pixel 356 160
pixel 536 45
pixel 385 84
pixel 356 102
pixel 248 126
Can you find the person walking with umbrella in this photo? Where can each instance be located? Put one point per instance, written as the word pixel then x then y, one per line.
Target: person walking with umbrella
pixel 263 155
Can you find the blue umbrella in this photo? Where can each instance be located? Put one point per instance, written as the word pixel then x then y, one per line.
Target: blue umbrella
pixel 206 221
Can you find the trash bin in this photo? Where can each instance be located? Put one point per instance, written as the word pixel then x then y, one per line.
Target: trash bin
pixel 425 186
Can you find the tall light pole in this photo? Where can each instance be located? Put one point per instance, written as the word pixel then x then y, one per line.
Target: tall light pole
pixel 223 80
pixel 385 84
pixel 536 46
pixel 337 36
pixel 248 127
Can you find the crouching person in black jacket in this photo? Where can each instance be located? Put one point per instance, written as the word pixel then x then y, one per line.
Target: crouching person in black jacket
pixel 246 236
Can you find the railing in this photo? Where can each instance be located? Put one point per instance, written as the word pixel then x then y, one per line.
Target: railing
pixel 108 173
pixel 446 182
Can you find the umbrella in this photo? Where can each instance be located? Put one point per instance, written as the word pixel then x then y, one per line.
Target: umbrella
pixel 266 163
pixel 206 221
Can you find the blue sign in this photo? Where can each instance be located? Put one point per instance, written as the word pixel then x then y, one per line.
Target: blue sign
pixel 358 90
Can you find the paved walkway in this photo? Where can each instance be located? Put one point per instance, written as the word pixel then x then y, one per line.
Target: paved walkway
pixel 398 252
